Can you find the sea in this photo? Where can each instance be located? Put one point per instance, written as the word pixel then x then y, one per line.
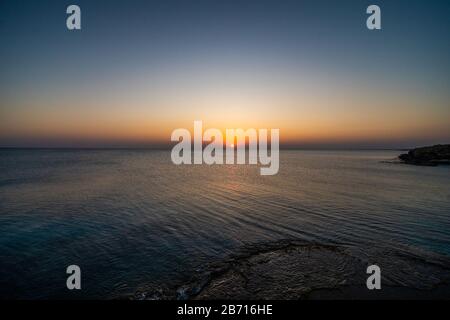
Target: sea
pixel 133 221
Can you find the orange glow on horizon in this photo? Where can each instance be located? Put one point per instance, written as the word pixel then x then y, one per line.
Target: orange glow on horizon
pixel 331 118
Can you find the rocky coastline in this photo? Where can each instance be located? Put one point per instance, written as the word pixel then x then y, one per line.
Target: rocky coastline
pixel 427 156
pixel 293 270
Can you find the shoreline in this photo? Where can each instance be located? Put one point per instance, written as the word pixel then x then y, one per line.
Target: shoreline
pixel 297 270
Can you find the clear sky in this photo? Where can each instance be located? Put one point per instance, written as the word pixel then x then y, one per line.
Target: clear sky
pixel 139 69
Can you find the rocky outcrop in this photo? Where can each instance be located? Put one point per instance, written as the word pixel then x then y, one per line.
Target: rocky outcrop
pixel 291 269
pixel 427 156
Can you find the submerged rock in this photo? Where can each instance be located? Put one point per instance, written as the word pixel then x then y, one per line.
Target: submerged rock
pixel 299 270
pixel 427 156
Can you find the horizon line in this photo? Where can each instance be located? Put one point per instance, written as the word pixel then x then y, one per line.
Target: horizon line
pixel 156 148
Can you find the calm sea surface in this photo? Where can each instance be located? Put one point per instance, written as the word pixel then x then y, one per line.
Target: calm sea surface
pixel 134 221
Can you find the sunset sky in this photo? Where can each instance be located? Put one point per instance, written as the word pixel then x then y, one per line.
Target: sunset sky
pixel 139 69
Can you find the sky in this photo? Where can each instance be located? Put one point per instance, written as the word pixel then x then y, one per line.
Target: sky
pixel 137 70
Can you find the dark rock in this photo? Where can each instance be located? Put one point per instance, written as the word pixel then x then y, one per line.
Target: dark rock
pixel 427 156
pixel 314 271
pixel 295 269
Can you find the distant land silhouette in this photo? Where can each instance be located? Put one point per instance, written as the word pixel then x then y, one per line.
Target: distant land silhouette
pixel 428 156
